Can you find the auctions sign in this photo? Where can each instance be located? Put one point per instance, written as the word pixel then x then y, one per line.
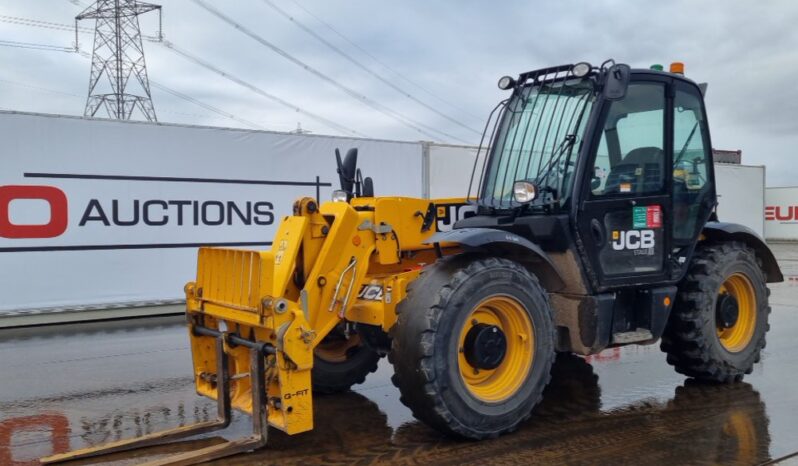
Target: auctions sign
pixel 98 209
pixel 36 211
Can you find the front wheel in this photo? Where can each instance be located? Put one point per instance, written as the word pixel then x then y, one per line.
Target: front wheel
pixel 717 328
pixel 473 346
pixel 341 361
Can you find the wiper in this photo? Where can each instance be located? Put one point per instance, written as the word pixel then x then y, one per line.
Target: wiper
pixel 686 144
pixel 564 147
pixel 567 142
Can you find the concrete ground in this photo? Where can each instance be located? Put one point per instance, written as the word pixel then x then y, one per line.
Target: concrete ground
pixel 72 386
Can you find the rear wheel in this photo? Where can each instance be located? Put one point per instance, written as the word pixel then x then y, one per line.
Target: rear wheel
pixel 717 328
pixel 340 362
pixel 473 346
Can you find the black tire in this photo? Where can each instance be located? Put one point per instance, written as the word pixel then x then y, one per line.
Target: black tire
pixel 425 345
pixel 691 337
pixel 350 366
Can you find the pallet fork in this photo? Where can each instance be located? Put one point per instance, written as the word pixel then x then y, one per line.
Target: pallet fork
pixel 257 373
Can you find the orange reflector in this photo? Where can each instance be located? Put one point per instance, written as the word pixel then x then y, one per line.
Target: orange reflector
pixel 356 240
pixel 667 301
pixel 677 67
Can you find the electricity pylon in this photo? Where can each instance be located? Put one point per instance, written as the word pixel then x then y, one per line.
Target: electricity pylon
pixel 118 81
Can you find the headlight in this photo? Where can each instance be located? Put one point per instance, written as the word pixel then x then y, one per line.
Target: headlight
pixel 340 196
pixel 524 191
pixel 506 82
pixel 581 69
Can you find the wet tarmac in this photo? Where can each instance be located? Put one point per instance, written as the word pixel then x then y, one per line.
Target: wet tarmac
pixel 73 386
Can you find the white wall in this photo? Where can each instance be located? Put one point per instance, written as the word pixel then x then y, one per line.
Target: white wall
pixel 95 263
pixel 741 195
pixel 450 170
pixel 781 214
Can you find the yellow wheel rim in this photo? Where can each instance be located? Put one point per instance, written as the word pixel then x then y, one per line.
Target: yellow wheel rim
pixel 739 335
pixel 336 350
pixel 511 317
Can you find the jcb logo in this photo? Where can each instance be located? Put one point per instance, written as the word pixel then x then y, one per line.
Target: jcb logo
pixel 447 214
pixel 632 239
pixel 370 292
pixel 56 200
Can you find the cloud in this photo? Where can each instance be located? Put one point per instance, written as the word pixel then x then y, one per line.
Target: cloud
pixel 457 50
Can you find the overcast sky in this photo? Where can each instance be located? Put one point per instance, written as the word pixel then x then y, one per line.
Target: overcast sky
pixel 453 52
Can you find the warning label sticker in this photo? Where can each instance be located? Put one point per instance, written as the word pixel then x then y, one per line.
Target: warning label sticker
pixel 647 217
pixel 654 216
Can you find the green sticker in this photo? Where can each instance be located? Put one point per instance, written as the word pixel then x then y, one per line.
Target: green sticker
pixel 639 217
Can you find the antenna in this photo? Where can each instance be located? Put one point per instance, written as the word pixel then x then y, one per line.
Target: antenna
pixel 118 56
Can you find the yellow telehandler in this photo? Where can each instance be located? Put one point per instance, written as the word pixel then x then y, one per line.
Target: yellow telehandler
pixel 592 224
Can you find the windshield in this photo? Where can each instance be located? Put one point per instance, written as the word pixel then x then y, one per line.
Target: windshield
pixel 539 129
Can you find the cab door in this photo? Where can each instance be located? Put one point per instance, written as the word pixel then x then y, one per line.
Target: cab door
pixel 623 217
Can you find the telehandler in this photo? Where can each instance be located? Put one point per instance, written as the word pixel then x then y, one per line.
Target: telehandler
pixel 590 223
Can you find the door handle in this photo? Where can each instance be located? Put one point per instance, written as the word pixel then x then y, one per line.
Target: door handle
pixel 597 229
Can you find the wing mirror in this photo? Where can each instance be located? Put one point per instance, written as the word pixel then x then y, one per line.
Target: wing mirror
pixel 616 81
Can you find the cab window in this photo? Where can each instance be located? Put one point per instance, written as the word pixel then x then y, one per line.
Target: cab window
pixel 630 159
pixel 691 159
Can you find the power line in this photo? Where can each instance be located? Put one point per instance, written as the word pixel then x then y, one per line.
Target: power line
pixel 153 83
pixel 420 127
pixel 205 106
pixel 76 96
pixel 383 64
pixel 57 26
pixel 35 46
pixel 329 123
pixel 365 68
pixel 41 89
pixel 198 61
pixel 41 24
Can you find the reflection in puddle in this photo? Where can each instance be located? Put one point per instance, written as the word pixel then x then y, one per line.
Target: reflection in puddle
pixel 711 424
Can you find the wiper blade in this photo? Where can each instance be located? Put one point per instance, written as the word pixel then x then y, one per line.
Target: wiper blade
pixel 562 149
pixel 565 145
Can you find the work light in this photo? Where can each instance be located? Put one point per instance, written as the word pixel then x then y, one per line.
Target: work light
pixel 506 82
pixel 339 196
pixel 581 69
pixel 524 191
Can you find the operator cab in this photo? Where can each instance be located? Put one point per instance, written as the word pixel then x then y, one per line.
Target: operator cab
pixel 613 161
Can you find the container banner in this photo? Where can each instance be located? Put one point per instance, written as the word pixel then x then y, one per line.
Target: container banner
pixel 781 214
pixel 95 211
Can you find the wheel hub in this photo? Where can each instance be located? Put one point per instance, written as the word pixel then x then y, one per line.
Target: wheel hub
pixel 485 346
pixel 727 311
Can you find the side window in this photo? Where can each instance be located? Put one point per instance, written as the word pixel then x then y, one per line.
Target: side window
pixel 631 154
pixel 691 159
